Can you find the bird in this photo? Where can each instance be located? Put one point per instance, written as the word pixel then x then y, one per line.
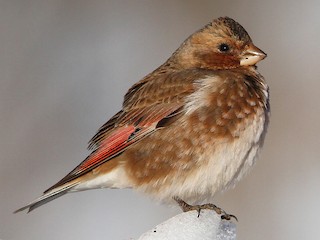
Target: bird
pixel 188 130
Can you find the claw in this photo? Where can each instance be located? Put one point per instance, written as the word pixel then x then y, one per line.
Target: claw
pixel 228 217
pixel 187 207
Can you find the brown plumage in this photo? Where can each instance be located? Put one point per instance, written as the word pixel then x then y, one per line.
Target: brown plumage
pixel 189 129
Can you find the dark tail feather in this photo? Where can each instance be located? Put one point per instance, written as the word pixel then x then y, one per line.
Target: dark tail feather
pixel 47 197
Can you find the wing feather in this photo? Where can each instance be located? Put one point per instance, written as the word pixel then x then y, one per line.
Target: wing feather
pixel 149 105
pixel 119 139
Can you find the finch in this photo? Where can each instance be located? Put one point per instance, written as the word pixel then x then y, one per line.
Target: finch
pixel 188 130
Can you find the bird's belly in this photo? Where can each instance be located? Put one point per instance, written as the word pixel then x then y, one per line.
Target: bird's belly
pixel 230 161
pixel 199 171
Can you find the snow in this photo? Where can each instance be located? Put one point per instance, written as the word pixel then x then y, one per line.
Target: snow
pixel 188 226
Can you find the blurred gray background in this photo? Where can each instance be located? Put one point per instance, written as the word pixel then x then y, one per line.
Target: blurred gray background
pixel 64 68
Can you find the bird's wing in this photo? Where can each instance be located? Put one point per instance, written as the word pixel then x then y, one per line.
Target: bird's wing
pixel 147 107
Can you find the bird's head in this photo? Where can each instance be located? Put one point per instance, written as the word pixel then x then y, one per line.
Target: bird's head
pixel 221 44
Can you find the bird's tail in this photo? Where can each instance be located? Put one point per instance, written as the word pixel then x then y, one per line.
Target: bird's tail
pixel 48 196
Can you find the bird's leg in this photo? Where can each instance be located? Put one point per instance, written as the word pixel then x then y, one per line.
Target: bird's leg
pixel 187 207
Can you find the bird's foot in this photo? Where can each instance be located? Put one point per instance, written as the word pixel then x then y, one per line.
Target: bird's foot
pixel 187 207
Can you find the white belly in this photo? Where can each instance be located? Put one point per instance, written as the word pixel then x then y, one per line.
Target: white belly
pixel 226 165
pixel 116 178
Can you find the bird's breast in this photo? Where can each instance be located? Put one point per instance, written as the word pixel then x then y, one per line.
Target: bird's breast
pixel 208 148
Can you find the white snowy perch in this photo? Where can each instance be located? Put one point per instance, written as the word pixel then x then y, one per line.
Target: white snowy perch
pixel 188 226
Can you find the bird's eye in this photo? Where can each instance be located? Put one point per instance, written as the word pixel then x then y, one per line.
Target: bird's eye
pixel 224 47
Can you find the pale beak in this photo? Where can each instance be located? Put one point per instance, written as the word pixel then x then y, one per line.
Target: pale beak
pixel 251 55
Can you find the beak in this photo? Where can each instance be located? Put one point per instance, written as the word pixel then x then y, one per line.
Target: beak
pixel 251 55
